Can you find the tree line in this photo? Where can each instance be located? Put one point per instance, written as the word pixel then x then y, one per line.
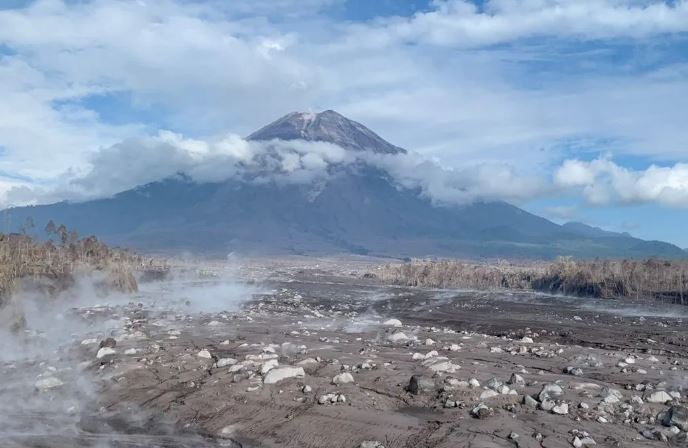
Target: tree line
pixel 23 255
pixel 650 279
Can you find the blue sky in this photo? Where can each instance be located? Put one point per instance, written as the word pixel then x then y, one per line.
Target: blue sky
pixel 571 109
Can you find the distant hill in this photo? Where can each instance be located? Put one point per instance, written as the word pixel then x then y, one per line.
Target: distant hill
pixel 594 232
pixel 359 209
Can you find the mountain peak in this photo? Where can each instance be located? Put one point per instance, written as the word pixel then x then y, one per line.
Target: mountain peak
pixel 327 126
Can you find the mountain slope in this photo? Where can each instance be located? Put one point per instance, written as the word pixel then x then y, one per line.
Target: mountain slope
pixel 358 209
pixel 595 232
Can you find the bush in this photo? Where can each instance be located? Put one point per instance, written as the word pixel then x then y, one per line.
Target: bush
pixel 644 279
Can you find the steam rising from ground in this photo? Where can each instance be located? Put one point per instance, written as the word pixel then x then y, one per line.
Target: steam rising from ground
pixel 185 292
pixel 49 394
pixel 45 388
pixel 53 321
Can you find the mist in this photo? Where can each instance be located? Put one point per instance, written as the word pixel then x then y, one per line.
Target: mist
pixel 52 379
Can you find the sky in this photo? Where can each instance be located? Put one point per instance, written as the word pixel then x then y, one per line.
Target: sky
pixel 572 109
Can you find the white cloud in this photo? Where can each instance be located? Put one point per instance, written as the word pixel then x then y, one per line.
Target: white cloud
pixel 142 160
pixel 188 61
pixel 574 173
pixel 461 23
pixel 477 182
pixel 207 68
pixel 604 182
pixel 138 161
pixel 38 137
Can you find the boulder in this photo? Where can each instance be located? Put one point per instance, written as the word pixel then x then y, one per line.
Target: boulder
pixel 343 378
pixel 282 373
pixel 441 365
pixel 550 391
pixel 530 402
pixel 561 409
pixel 481 411
pixel 392 323
pixel 659 396
pixel 488 393
pixel 547 405
pixel 420 384
pixel 516 380
pixel 268 365
pixel 109 342
pixel 676 416
pixel 575 371
pixel 224 362
pixel 205 354
pixel 105 351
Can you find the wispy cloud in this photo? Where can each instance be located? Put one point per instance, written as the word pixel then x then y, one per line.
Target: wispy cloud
pixel 462 23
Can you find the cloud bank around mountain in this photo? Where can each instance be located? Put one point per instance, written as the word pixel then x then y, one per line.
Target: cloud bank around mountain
pixel 138 161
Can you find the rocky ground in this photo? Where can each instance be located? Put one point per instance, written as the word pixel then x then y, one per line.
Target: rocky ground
pixel 322 357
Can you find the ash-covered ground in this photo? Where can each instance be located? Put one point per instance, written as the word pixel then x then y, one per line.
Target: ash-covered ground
pixel 312 354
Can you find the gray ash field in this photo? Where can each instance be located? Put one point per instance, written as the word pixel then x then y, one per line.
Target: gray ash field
pixel 319 356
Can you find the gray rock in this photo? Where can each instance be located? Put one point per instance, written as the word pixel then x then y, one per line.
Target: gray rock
pixel 530 402
pixel 494 383
pixel 481 411
pixel 109 342
pixel 516 380
pixel 575 371
pixel 547 405
pixel 658 397
pixel 420 384
pixel 676 416
pixel 649 434
pixel 282 373
pixel 488 393
pixel 371 444
pixel 327 398
pixel 561 409
pixel 588 441
pixel 343 378
pixel 581 442
pixel 105 352
pixel 550 391
pixel 224 362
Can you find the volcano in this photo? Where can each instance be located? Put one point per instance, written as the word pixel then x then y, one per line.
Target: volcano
pixel 358 209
